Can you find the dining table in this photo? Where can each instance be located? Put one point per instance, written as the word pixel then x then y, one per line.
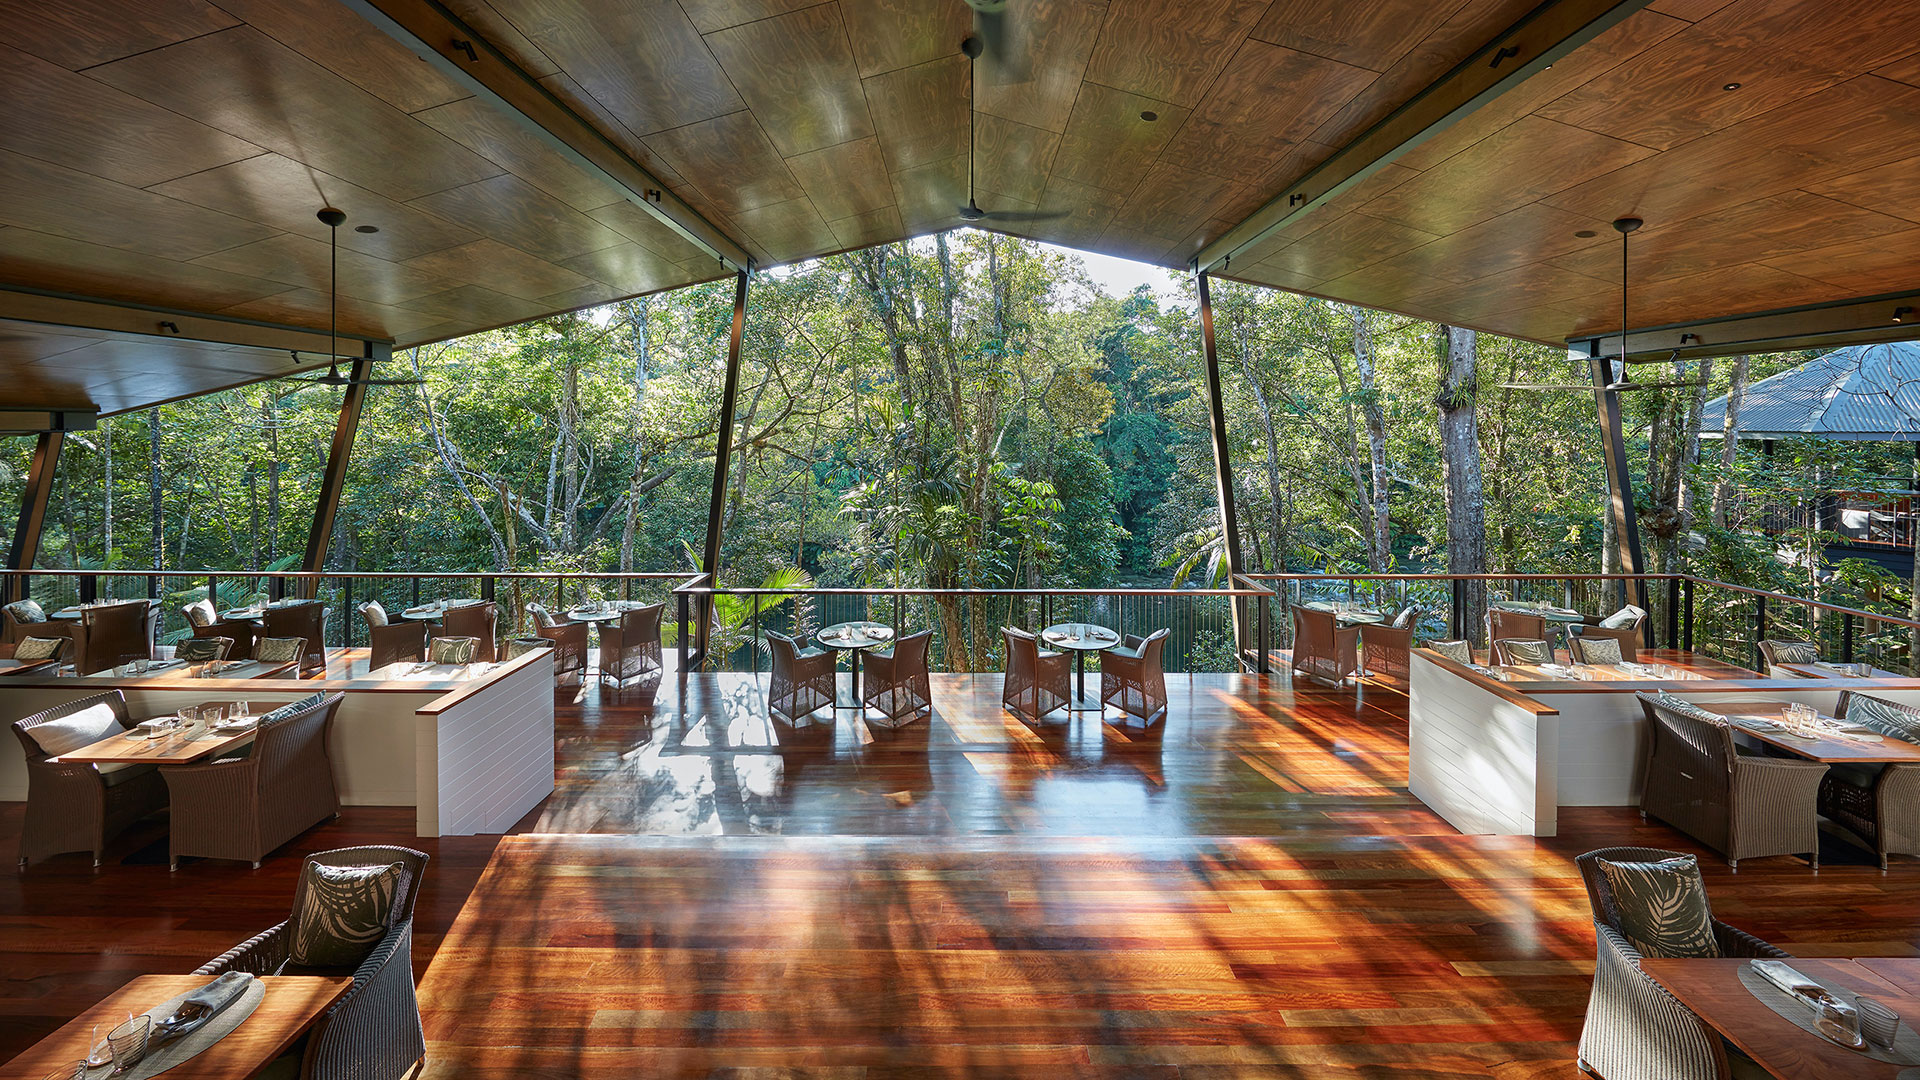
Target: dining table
pixel 291 1006
pixel 133 747
pixel 437 609
pixel 1820 669
pixel 853 638
pixel 1081 639
pixel 1760 720
pixel 1347 614
pixel 10 666
pixel 74 612
pixel 1713 991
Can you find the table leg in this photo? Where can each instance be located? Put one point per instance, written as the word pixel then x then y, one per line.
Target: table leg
pixel 1080 702
pixel 856 679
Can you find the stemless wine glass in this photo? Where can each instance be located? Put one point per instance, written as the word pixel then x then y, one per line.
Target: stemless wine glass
pixel 98 1054
pixel 142 664
pixel 238 710
pixel 128 1042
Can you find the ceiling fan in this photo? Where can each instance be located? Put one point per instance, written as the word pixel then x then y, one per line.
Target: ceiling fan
pixel 333 219
pixel 987 14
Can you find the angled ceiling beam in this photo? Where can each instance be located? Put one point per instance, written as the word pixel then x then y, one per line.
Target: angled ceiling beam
pixel 441 38
pixel 1549 32
pixel 66 310
pixel 1886 317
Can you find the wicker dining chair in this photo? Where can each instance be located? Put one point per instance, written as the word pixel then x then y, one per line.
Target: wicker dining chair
pixel 1628 638
pixel 200 613
pixel 201 650
pixel 478 621
pixel 802 682
pixel 396 643
pixel 1037 681
pixel 1598 649
pixel 1635 1029
pixel 1777 652
pixel 40 651
pixel 306 620
pixel 1132 678
pixel 630 648
pixel 1385 649
pixel 1742 805
pixel 26 618
pixel 569 638
pixel 242 807
pixel 1323 650
pixel 896 682
pixel 1458 650
pixel 1502 623
pixel 74 806
pixel 1522 651
pixel 374 1030
pixel 1878 803
pixel 108 634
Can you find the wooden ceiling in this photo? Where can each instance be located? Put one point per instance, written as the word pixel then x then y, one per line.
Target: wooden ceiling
pixel 173 153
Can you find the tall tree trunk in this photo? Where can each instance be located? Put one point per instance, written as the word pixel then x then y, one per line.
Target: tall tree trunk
pixel 1690 458
pixel 1277 551
pixel 273 480
pixel 639 313
pixel 106 494
pixel 1380 538
pixel 569 451
pixel 1460 468
pixel 1723 488
pixel 157 521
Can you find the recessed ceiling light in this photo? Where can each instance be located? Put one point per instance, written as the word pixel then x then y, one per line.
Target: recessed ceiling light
pixel 1586 234
pixel 1149 115
pixel 1731 86
pixel 366 228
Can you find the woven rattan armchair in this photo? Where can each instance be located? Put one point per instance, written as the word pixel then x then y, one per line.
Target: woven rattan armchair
pixel 570 641
pixel 1037 681
pixel 1878 803
pixel 1132 678
pixel 16 628
pixel 396 643
pixel 802 681
pixel 480 622
pixel 60 644
pixel 109 634
pixel 303 620
pixel 244 807
pixel 1522 651
pixel 630 649
pixel 1627 636
pixel 1386 650
pixel 201 650
pixel 241 633
pixel 896 682
pixel 1776 652
pixel 72 806
pixel 1502 623
pixel 374 1030
pixel 1323 650
pixel 1742 805
pixel 1635 1030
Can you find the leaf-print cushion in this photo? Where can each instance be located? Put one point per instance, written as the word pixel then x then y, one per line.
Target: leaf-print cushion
pixel 1405 617
pixel 200 650
pixel 1460 652
pixel 26 611
pixel 200 613
pixel 1625 617
pixel 1523 651
pixel 38 648
pixel 344 912
pixel 279 650
pixel 1599 650
pixel 1885 717
pixel 521 646
pixel 453 650
pixel 1663 907
pixel 311 701
pixel 1794 652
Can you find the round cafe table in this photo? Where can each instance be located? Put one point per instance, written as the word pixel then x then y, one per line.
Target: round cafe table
pixel 615 609
pixel 1080 638
pixel 1348 616
pixel 437 610
pixel 853 638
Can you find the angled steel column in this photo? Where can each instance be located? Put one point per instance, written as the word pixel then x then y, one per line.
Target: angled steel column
pixel 1222 463
pixel 33 510
pixel 722 457
pixel 1613 448
pixel 333 476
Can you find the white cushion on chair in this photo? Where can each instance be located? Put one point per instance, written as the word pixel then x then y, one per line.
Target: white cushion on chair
pixel 1628 616
pixel 70 733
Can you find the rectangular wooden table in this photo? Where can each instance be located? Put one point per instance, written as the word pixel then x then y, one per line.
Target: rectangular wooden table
pixel 174 749
pixel 291 1005
pixel 1832 751
pixel 1821 671
pixel 10 666
pixel 1713 991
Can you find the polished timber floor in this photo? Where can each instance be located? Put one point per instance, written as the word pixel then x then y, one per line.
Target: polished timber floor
pixel 1247 890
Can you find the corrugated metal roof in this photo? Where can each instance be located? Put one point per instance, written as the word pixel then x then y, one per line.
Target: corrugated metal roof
pixel 1865 392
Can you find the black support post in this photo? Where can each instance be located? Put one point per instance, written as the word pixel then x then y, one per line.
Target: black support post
pixel 333 478
pixel 33 510
pixel 722 457
pixel 1222 464
pixel 1613 445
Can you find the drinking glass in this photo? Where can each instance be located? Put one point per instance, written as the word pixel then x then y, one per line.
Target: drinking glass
pixel 128 1042
pixel 75 1071
pixel 1840 1023
pixel 98 1054
pixel 141 665
pixel 238 711
pixel 1877 1022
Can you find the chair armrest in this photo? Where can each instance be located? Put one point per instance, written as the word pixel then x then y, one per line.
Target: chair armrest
pixel 261 954
pixel 396 950
pixel 1736 942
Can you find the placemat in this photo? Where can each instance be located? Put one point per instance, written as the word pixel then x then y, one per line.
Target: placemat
pixel 1906 1043
pixel 165 1056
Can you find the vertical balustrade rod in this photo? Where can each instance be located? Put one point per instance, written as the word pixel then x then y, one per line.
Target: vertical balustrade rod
pixel 346 615
pixel 1846 639
pixel 1687 604
pixel 1760 629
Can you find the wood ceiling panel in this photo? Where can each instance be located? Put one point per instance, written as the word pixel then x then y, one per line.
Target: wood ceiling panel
pixel 1170 49
pixel 1494 246
pixel 1729 290
pixel 880 226
pixel 330 34
pixel 488 132
pixel 788 231
pixel 643 61
pixel 1013 159
pixel 1171 202
pixel 844 181
pixel 1690 10
pixel 629 268
pixel 1267 101
pixel 1863 267
pixel 40 195
pixel 511 210
pixel 1047 48
pixel 480 306
pixel 498 267
pixel 309 307
pixel 1893 188
pixel 646 230
pixel 930 196
pixel 302 262
pixel 72 120
pixel 1906 70
pixel 892 34
pixel 920 112
pixel 1109 144
pixel 285 195
pixel 45 261
pixel 711 15
pixel 739 168
pixel 252 87
pixel 1522 163
pixel 796 73
pixel 1346 245
pixel 1126 243
pixel 1760 231
pixel 1088 211
pixel 81 33
pixel 1374 35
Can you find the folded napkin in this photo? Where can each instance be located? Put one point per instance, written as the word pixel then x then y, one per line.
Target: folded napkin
pixel 423 609
pixel 203 1005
